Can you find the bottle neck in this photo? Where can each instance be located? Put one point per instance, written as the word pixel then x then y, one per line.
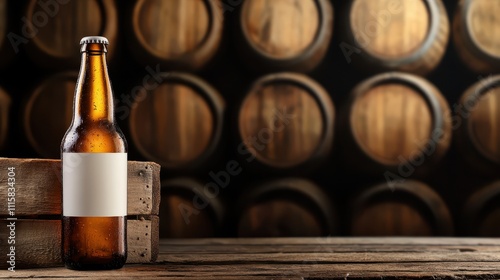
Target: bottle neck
pixel 93 97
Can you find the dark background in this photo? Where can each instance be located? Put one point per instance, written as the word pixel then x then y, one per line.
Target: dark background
pixel 231 77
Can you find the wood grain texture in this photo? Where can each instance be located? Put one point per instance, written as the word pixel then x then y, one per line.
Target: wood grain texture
pixel 173 28
pixel 143 239
pixel 478 125
pixel 393 119
pixel 286 120
pixel 285 34
pixel 50 102
pixel 189 210
pixel 397 35
pixel 410 208
pixel 38 187
pixel 60 27
pixel 391 218
pixel 388 111
pixel 38 242
pixel 179 34
pixel 476 31
pixel 5 103
pixel 481 211
pixel 307 258
pixel 179 123
pixel 484 124
pixel 412 23
pixel 278 218
pixel 285 208
pixel 280 28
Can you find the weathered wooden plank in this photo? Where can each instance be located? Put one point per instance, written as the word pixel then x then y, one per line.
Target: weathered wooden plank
pixel 326 257
pixel 38 187
pixel 329 248
pixel 38 242
pixel 202 260
pixel 143 240
pixel 461 270
pixel 391 241
pixel 331 245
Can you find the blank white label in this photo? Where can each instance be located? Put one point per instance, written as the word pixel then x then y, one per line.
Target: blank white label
pixel 94 184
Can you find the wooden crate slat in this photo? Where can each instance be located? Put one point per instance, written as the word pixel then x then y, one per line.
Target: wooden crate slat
pixel 38 242
pixel 38 187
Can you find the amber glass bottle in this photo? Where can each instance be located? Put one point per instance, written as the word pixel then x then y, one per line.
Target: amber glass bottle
pixel 94 164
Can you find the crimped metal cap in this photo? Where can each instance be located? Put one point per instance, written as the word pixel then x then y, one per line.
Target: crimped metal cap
pixel 94 40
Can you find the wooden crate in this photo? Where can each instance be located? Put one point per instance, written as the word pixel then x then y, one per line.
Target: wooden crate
pixel 37 212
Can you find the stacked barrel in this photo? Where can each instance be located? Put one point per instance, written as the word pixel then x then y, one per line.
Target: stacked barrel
pixel 178 121
pixel 396 125
pixel 49 42
pixel 477 120
pixel 6 55
pixel 285 120
pixel 282 117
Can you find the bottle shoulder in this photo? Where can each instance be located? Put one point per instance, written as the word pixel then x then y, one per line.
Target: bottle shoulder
pixel 94 137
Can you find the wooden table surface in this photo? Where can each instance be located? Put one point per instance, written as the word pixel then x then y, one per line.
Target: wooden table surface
pixel 305 258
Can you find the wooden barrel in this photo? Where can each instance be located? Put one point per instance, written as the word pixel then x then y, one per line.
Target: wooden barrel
pixel 285 35
pixel 48 113
pixel 178 34
pixel 475 26
pixel 179 123
pixel 395 35
pixel 408 208
pixel 5 102
pixel 395 122
pixel 285 122
pixel 481 212
pixel 56 27
pixel 189 210
pixel 477 124
pixel 285 208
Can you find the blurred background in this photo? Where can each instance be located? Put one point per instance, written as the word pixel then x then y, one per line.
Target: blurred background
pixel 279 117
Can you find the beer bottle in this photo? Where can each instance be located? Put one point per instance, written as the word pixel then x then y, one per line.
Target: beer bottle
pixel 94 165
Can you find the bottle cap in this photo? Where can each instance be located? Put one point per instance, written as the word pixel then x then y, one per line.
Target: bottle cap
pixel 94 40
